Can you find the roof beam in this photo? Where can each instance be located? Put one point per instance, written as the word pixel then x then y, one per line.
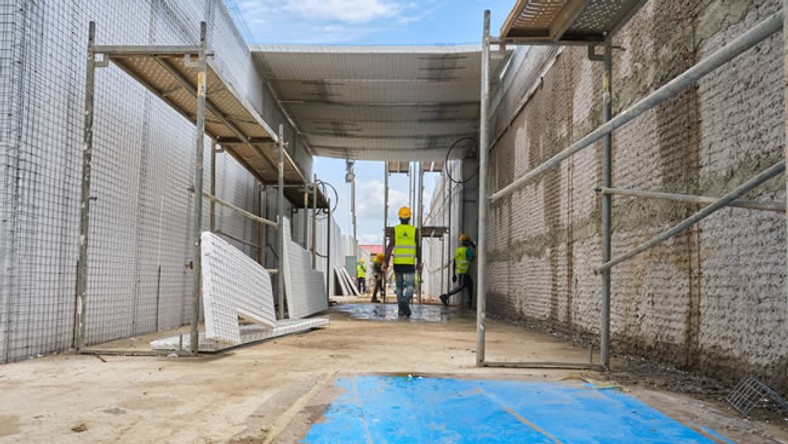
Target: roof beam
pixel 384 104
pixel 566 18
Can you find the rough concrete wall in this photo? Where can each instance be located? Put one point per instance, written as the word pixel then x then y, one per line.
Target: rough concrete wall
pixel 711 299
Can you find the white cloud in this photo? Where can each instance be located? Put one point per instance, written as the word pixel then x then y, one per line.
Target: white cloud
pixel 348 11
pixel 328 21
pixel 369 200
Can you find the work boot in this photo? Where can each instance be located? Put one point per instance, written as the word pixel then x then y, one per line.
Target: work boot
pixel 445 300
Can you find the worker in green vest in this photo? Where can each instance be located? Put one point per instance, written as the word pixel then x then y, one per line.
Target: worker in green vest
pixel 464 256
pixel 377 270
pixel 361 276
pixel 405 248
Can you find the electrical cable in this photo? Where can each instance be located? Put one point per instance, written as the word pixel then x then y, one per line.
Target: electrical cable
pixel 448 153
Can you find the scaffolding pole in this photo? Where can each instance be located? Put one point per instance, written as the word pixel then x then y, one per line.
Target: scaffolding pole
pixel 741 190
pixel 757 34
pixel 785 101
pixel 607 178
pixel 84 219
pixel 693 199
pixel 199 146
pixel 484 142
pixel 386 220
pixel 420 208
pixel 280 233
pixel 314 222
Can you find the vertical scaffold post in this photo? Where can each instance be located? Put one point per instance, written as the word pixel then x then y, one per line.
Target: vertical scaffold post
pixel 484 201
pixel 329 273
pixel 785 106
pixel 419 220
pixel 199 146
pixel 386 218
pixel 280 232
pixel 607 168
pixel 212 212
pixel 314 222
pixel 84 216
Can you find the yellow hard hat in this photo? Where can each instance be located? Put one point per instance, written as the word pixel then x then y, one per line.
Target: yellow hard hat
pixel 404 213
pixel 380 257
pixel 464 237
pixel 361 260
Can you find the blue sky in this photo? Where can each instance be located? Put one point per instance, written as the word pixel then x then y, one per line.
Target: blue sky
pixel 368 22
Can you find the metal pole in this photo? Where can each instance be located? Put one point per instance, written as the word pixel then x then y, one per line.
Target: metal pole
pixel 260 228
pixel 314 222
pixel 329 273
pixel 785 105
pixel 449 254
pixel 353 215
pixel 199 146
pixel 280 232
pixel 213 188
pixel 386 219
pixel 84 219
pixel 607 163
pixel 484 142
pixel 420 208
pixel 742 43
pixel 306 217
pixel 690 198
pixel 700 215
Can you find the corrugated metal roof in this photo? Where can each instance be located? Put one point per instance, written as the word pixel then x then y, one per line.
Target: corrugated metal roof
pixel 399 103
pixel 567 21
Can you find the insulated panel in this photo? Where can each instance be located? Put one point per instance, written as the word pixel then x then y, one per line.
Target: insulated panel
pixel 304 287
pixel 233 285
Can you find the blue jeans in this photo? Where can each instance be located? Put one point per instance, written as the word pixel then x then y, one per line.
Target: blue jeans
pixel 405 284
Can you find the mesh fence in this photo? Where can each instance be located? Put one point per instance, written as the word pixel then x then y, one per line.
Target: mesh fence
pixel 143 166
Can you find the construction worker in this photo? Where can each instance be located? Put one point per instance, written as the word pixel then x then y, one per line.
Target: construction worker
pixel 361 276
pixel 380 277
pixel 407 259
pixel 464 256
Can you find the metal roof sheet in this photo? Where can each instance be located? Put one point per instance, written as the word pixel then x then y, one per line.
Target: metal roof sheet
pixel 229 118
pixel 567 21
pixel 378 102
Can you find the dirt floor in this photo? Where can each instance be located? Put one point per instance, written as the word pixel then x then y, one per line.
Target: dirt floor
pixel 273 391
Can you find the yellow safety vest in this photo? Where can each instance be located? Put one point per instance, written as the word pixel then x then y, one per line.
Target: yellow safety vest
pixel 361 271
pixel 461 262
pixel 404 244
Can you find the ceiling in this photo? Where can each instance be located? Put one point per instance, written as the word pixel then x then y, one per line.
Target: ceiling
pixel 393 103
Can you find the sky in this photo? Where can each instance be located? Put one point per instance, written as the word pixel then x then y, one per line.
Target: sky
pixel 368 22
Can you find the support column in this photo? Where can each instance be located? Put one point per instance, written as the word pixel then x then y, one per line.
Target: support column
pixel 484 147
pixel 607 182
pixel 213 188
pixel 314 222
pixel 386 217
pixel 280 232
pixel 199 146
pixel 420 210
pixel 84 216
pixel 329 272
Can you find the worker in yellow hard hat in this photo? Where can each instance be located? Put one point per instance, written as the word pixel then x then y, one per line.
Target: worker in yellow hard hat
pixel 405 247
pixel 361 276
pixel 377 269
pixel 464 256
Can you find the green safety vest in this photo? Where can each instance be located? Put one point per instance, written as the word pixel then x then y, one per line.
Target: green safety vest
pixel 461 262
pixel 361 271
pixel 404 244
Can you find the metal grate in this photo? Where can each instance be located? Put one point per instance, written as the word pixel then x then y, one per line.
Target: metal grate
pixel 751 393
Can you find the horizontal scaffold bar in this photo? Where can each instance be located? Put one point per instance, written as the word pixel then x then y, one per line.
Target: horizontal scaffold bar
pixel 723 55
pixel 691 198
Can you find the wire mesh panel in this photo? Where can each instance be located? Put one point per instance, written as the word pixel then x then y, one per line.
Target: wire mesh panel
pixel 140 237
pixel 751 393
pixel 233 285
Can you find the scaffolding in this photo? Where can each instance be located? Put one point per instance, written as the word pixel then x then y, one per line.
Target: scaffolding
pixel 591 23
pixel 184 77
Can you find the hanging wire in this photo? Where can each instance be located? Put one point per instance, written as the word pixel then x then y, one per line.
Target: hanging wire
pixel 448 154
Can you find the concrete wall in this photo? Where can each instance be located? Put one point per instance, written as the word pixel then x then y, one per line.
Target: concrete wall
pixel 712 299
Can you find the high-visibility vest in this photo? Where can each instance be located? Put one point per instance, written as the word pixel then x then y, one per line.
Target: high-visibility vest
pixel 361 271
pixel 461 262
pixel 404 244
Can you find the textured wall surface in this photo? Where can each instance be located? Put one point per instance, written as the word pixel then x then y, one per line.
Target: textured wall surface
pixel 143 166
pixel 711 299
